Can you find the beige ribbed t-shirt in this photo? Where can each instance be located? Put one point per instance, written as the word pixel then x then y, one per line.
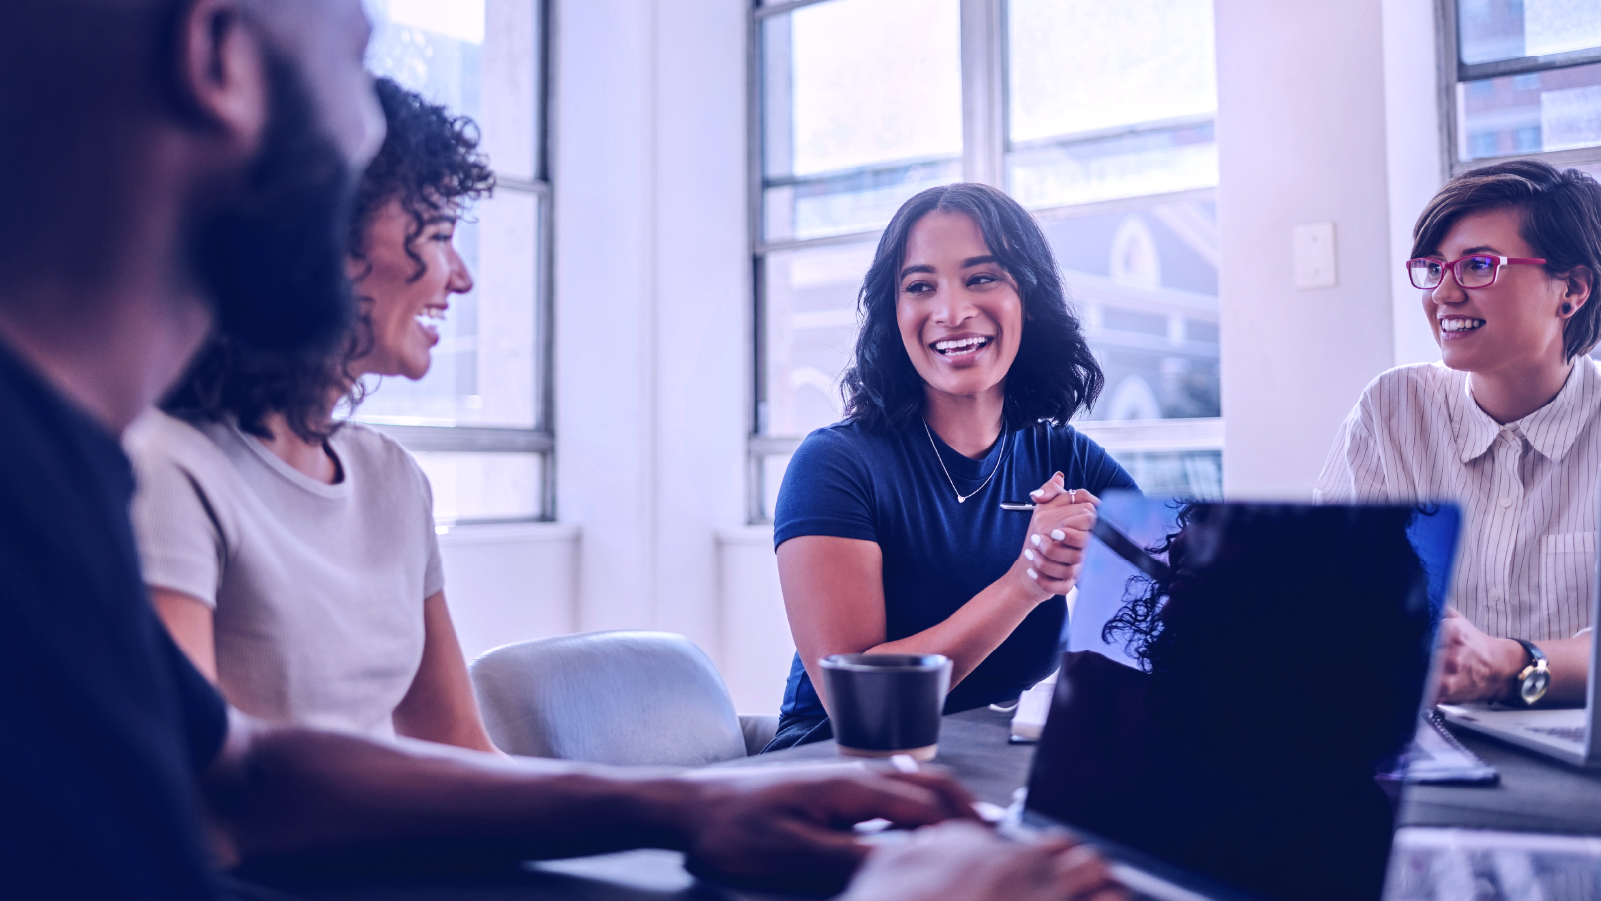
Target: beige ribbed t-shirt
pixel 317 589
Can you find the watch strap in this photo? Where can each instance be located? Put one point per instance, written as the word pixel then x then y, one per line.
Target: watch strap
pixel 1536 656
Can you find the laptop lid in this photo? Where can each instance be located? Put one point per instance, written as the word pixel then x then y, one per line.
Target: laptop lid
pixel 1219 717
pixel 1592 736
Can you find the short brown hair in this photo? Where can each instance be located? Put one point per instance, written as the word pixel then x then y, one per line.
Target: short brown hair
pixel 1561 211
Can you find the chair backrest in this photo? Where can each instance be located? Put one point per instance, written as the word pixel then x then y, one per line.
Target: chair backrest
pixel 627 698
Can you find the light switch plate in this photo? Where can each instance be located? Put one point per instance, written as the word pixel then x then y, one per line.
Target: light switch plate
pixel 1314 255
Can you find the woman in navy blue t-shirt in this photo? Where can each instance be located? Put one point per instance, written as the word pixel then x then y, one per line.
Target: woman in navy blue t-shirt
pixel 889 529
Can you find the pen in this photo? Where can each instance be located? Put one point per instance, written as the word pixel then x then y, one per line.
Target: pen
pixel 1113 538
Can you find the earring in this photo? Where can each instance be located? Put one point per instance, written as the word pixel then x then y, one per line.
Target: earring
pixel 1567 308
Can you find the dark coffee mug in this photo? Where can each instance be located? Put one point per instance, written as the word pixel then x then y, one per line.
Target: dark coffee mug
pixel 884 704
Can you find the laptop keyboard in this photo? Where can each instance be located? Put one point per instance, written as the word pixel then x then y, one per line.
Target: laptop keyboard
pixel 1567 733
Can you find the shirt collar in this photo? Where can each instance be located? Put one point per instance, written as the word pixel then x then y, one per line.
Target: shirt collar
pixel 1551 430
pixel 1475 430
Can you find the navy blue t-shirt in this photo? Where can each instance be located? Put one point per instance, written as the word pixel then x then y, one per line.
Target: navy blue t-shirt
pixel 848 482
pixel 106 723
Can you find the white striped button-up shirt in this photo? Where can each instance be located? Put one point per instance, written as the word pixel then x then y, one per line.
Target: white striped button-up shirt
pixel 1528 489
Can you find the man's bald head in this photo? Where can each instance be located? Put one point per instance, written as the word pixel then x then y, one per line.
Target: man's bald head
pixel 233 125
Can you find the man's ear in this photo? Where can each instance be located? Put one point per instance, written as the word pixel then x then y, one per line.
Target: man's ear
pixel 222 74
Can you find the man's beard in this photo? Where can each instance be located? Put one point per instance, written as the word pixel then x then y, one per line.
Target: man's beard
pixel 271 255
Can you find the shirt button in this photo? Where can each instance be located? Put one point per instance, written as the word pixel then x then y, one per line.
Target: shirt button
pixel 1495 596
pixel 1506 500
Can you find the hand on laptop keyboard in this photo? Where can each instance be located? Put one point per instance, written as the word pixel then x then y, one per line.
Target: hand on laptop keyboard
pixel 964 862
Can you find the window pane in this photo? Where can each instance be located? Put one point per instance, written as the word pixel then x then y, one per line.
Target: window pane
pixel 810 332
pixel 1558 109
pixel 1110 100
pixel 851 130
pixel 772 475
pixel 1196 474
pixel 1087 65
pixel 1508 29
pixel 1145 285
pixel 478 486
pixel 477 57
pixel 484 370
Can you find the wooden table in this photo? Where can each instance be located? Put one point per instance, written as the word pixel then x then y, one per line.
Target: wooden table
pixel 1535 795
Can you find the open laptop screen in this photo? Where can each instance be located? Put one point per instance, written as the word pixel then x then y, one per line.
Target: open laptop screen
pixel 1222 710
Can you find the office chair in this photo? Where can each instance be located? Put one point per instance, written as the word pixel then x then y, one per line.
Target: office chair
pixel 626 698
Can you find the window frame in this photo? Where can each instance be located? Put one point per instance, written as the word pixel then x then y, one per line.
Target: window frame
pixel 985 107
pixel 1453 72
pixel 540 438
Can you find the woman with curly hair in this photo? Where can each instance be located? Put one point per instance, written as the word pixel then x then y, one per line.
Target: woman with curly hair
pixel 890 533
pixel 293 556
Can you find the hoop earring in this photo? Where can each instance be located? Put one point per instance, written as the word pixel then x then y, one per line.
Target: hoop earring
pixel 1567 308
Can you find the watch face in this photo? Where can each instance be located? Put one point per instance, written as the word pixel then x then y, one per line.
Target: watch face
pixel 1534 685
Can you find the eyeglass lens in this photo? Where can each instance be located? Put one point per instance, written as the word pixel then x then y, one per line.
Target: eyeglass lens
pixel 1470 272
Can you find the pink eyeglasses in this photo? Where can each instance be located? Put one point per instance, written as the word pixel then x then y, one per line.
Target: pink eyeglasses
pixel 1476 271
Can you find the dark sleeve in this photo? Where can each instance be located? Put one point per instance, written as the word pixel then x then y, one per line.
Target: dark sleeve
pixel 1094 467
pixel 825 491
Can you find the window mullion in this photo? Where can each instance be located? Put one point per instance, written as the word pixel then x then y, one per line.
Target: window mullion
pixel 983 92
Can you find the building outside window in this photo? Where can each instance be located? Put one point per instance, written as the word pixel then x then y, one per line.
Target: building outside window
pixel 1097 117
pixel 479 422
pixel 1521 78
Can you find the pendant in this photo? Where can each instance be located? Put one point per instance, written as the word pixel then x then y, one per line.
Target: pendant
pixel 962 500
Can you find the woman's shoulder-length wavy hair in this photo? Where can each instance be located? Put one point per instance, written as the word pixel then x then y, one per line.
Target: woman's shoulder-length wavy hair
pixel 430 164
pixel 1054 375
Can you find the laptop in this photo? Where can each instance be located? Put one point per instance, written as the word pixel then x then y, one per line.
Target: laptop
pixel 1568 734
pixel 1235 678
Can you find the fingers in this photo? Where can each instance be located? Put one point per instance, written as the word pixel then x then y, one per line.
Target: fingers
pixel 956 798
pixel 905 799
pixel 1083 496
pixel 1053 488
pixel 1082 874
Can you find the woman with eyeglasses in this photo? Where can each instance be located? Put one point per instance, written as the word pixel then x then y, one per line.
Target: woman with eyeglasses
pixel 1508 425
pixel 948 513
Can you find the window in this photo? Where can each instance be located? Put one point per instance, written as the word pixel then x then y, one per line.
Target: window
pixel 1523 79
pixel 479 423
pixel 1071 106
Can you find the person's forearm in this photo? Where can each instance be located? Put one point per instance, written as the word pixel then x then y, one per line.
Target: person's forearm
pixel 974 631
pixel 293 793
pixel 1570 668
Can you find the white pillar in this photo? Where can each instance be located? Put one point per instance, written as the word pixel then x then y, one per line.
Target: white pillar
pixel 1305 123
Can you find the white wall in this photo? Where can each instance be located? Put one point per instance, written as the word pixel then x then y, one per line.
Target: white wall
pixel 1327 113
pixel 1304 135
pixel 1414 156
pixel 653 315
pixel 507 583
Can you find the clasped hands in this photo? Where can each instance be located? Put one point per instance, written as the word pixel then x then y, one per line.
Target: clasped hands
pixel 1058 532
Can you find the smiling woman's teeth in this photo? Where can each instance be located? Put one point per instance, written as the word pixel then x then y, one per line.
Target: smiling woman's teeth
pixel 1460 325
pixel 430 319
pixel 961 346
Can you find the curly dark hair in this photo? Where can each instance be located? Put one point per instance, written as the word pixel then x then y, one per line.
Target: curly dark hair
pixel 1256 616
pixel 430 163
pixel 1561 212
pixel 1054 375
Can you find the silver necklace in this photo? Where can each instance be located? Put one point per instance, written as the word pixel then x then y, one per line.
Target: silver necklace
pixel 961 498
